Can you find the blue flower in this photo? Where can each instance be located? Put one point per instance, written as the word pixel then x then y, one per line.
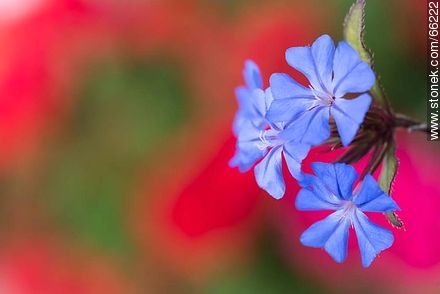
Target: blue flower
pixel 331 189
pixel 248 109
pixel 264 141
pixel 332 74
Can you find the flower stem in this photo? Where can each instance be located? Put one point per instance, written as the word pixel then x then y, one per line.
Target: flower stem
pixel 410 124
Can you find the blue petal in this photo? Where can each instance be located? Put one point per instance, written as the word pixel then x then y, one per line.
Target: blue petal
pixel 252 107
pixel 262 101
pixel 294 153
pixel 268 99
pixel 331 234
pixel 349 115
pixel 244 111
pixel 314 62
pixel 245 159
pixel 372 198
pixel 252 75
pixel 244 98
pixel 259 102
pixel 284 87
pixel 323 50
pixel 290 97
pixel 269 173
pixel 338 177
pixel 239 120
pixel 248 150
pixel 247 109
pixel 351 74
pixel 315 196
pixel 312 127
pixel 372 239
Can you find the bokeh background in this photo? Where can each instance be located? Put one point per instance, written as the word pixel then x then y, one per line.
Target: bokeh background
pixel 115 133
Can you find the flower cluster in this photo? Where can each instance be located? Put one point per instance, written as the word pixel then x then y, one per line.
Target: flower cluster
pixel 286 119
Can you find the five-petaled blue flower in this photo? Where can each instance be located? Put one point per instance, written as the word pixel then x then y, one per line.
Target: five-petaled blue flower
pixel 258 139
pixel 333 73
pixel 331 189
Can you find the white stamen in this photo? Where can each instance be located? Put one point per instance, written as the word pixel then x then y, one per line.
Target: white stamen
pixel 349 209
pixel 325 99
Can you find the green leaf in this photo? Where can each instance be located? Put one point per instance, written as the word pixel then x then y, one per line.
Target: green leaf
pixel 389 169
pixel 354 30
pixel 388 173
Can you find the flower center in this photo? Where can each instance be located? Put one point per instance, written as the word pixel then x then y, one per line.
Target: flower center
pixel 323 99
pixel 269 138
pixel 349 208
